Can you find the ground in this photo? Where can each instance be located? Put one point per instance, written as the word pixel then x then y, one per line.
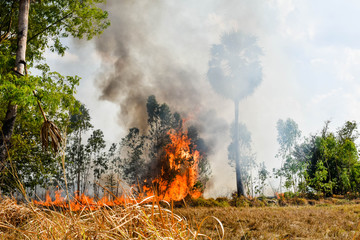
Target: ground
pixel 331 218
pixel 291 222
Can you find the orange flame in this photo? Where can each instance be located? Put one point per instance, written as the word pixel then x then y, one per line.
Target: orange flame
pixel 179 169
pixel 81 202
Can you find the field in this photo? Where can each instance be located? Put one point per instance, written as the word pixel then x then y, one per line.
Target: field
pixel 291 222
pixel 329 219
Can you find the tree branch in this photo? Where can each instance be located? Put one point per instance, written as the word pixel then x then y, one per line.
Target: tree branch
pixel 11 12
pixel 6 34
pixel 49 26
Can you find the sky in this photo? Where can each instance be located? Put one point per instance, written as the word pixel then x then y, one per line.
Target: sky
pixel 311 54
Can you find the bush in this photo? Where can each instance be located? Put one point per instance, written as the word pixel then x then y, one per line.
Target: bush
pixel 239 201
pixel 298 201
pixel 201 202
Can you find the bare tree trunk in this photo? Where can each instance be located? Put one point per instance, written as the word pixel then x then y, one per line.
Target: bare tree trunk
pixel 78 181
pixel 10 117
pixel 22 35
pixel 79 165
pixel 239 184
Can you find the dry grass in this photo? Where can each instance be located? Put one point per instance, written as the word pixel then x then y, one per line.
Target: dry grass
pixel 294 222
pixel 151 221
pixel 132 221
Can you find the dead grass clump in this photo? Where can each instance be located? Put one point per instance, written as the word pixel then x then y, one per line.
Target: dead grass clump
pixel 298 201
pixel 13 214
pixel 239 201
pixel 340 201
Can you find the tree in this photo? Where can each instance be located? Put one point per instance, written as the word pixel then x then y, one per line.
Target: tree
pixel 95 146
pixel 160 121
pixel 288 135
pixel 235 72
pixel 327 163
pixel 29 163
pixel 143 157
pixel 339 157
pixel 77 156
pixel 49 21
pixel 112 179
pixel 133 162
pixel 246 156
pixel 9 120
pixel 263 174
pixel 204 166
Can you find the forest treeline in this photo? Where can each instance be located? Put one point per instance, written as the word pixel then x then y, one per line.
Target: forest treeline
pixel 325 163
pixel 319 165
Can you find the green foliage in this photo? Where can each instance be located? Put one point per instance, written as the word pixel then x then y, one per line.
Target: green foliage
pixel 288 134
pixel 327 163
pixel 263 175
pixel 49 22
pixel 210 202
pixel 339 156
pixel 291 169
pixel 29 162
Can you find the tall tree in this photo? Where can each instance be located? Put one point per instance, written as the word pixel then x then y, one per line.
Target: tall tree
pixel 79 124
pixel 40 26
pixel 9 120
pixel 96 145
pixel 288 135
pixel 246 156
pixel 235 72
pixel 133 161
pixel 160 121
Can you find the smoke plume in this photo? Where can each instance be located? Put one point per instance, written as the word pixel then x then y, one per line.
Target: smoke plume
pixel 141 66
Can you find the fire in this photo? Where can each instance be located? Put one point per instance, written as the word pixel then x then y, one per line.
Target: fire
pixel 179 169
pixel 179 172
pixel 82 202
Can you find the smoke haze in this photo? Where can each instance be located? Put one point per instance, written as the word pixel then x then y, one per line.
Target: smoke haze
pixel 163 49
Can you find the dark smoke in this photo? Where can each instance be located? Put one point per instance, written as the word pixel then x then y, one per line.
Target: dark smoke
pixel 141 66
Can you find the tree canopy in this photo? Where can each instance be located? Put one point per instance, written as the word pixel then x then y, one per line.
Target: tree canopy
pixel 325 163
pixel 235 72
pixel 49 22
pixel 234 68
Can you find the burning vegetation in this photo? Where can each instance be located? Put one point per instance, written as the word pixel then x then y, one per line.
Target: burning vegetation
pixel 178 179
pixel 179 171
pixel 167 161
